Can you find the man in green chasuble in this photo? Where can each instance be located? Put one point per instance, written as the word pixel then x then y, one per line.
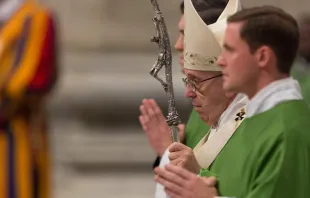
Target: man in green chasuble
pixel 268 156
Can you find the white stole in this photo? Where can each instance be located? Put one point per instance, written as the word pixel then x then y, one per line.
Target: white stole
pixel 207 149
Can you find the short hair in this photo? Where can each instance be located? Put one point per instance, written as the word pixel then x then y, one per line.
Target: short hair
pixel 270 26
pixel 208 10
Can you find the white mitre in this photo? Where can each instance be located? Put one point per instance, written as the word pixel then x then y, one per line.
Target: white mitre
pixel 202 43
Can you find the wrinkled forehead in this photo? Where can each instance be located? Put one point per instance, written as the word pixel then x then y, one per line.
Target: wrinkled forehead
pixel 200 75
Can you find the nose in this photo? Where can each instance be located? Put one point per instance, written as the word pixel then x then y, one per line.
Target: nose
pixel 179 44
pixel 220 61
pixel 189 93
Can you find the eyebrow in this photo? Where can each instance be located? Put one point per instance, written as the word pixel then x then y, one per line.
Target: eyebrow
pixel 226 46
pixel 181 31
pixel 193 77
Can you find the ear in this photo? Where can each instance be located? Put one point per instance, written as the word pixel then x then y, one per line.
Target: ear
pixel 263 56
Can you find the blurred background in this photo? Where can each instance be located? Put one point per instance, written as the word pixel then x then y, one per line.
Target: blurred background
pixel 98 146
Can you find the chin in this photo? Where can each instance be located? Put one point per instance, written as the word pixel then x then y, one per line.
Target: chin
pixel 228 88
pixel 199 110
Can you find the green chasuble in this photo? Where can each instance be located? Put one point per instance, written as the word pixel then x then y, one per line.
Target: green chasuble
pixel 195 130
pixel 268 156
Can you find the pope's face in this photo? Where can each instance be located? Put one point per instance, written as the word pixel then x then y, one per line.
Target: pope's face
pixel 208 95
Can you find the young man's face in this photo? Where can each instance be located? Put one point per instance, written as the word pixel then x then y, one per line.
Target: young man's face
pixel 240 69
pixel 179 45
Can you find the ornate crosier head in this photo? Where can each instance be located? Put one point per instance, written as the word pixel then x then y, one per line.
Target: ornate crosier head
pixel 165 60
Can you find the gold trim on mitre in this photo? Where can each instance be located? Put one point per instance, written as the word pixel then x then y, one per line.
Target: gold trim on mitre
pixel 202 43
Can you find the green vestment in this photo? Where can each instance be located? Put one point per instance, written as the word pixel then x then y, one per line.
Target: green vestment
pixel 195 130
pixel 268 156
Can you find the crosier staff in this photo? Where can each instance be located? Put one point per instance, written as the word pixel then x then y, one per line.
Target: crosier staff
pixel 165 59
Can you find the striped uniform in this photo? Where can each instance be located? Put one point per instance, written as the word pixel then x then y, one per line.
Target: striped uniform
pixel 27 75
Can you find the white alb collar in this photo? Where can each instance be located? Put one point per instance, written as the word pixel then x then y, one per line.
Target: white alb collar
pixel 273 94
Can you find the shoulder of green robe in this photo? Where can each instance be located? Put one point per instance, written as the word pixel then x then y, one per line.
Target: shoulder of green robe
pixel 195 130
pixel 285 116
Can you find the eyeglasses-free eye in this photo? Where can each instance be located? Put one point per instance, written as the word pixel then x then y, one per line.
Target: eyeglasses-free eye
pixel 193 84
